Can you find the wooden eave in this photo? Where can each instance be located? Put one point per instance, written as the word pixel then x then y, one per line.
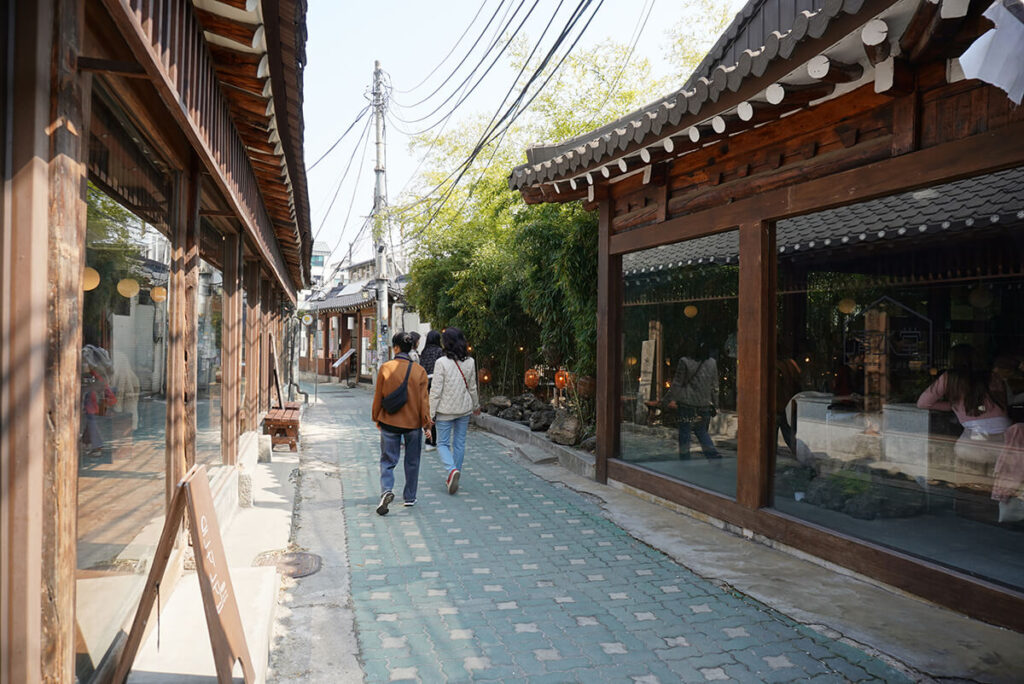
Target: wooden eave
pixel 822 57
pixel 243 37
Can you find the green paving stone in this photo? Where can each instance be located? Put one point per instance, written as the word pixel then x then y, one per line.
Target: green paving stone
pixel 847 669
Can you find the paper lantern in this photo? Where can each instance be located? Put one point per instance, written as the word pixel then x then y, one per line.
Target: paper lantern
pixel 561 379
pixel 532 378
pixel 846 305
pixel 980 297
pixel 158 294
pixel 484 376
pixel 690 311
pixel 128 287
pixel 90 279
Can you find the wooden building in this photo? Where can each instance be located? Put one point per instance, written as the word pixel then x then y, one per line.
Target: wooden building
pixel 344 319
pixel 798 250
pixel 155 232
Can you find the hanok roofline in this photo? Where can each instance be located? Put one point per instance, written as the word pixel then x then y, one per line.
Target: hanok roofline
pixel 828 52
pixel 258 51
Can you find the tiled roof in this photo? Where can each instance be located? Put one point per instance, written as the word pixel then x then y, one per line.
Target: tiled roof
pixel 690 104
pixel 969 204
pixel 347 297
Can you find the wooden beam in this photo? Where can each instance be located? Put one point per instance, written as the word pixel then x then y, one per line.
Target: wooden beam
pixel 756 365
pixel 894 77
pixel 875 37
pixel 112 67
pixel 238 31
pixel 824 68
pixel 987 152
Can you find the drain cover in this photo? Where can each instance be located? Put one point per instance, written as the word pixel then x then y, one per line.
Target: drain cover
pixel 290 563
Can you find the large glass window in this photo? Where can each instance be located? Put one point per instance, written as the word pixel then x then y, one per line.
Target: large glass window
pixel 679 360
pixel 210 310
pixel 121 449
pixel 899 377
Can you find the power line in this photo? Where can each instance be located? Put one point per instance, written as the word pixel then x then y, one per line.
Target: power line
pixel 364 138
pixel 637 32
pixel 518 106
pixel 359 116
pixel 445 58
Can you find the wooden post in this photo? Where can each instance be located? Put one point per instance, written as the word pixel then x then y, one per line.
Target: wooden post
pixel 252 344
pixel 756 365
pixel 609 351
pixel 181 324
pixel 66 260
pixel 265 307
pixel 231 348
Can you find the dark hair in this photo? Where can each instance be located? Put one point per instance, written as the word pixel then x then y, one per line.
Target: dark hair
pixel 434 337
pixel 403 341
pixel 969 382
pixel 415 337
pixel 454 343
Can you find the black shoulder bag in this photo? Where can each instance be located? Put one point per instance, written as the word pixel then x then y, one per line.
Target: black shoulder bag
pixel 394 401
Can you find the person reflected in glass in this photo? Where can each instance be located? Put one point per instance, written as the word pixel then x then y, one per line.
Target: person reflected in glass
pixel 694 394
pixel 453 396
pixel 977 397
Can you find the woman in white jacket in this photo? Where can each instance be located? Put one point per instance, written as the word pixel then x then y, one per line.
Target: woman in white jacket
pixel 453 397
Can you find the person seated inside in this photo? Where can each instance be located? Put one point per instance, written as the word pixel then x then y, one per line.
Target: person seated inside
pixel 977 397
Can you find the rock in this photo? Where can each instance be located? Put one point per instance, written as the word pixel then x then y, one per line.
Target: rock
pixel 541 420
pixel 524 400
pixel 499 402
pixel 565 429
pixel 511 413
pixel 537 405
pixel 589 444
pixel 826 492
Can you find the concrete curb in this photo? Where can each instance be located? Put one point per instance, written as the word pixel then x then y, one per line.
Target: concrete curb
pixel 574 460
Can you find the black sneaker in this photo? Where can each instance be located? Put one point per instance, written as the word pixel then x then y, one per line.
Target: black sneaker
pixel 408 504
pixel 385 499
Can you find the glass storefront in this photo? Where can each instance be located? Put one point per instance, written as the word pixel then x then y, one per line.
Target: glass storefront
pixel 122 446
pixel 900 384
pixel 679 360
pixel 210 314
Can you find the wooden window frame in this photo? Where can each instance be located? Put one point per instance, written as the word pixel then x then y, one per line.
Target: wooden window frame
pixel 755 218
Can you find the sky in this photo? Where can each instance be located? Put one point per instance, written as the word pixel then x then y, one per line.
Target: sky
pixel 410 38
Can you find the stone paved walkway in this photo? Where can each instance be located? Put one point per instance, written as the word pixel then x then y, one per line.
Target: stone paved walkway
pixel 516 579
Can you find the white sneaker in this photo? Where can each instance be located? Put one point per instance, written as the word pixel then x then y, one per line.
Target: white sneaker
pixel 453 481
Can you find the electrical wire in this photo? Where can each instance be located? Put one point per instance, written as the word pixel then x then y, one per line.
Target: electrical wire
pixel 637 32
pixel 365 139
pixel 517 107
pixel 479 80
pixel 468 53
pixel 359 116
pixel 445 58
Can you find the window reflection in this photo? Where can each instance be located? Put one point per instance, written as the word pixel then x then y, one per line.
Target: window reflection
pixel 899 378
pixel 210 310
pixel 679 360
pixel 121 462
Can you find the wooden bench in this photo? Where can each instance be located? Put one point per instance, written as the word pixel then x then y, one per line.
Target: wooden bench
pixel 282 424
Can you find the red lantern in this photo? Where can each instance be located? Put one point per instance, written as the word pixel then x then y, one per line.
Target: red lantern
pixel 561 379
pixel 484 376
pixel 532 378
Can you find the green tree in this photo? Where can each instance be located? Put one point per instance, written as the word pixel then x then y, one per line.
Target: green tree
pixel 696 32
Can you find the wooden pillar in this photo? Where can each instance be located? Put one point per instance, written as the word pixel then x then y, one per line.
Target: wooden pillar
pixel 265 307
pixel 42 218
pixel 231 349
pixel 609 344
pixel 756 365
pixel 252 345
pixel 181 317
pixel 66 256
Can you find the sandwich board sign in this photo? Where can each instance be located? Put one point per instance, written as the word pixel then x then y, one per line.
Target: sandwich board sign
pixel 227 638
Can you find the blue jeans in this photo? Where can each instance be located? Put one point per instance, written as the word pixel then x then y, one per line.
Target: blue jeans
pixel 698 420
pixel 451 441
pixel 391 450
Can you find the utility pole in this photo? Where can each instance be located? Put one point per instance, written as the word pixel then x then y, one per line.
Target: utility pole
pixel 379 102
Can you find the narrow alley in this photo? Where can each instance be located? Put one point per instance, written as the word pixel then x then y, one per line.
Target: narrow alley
pixel 514 578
